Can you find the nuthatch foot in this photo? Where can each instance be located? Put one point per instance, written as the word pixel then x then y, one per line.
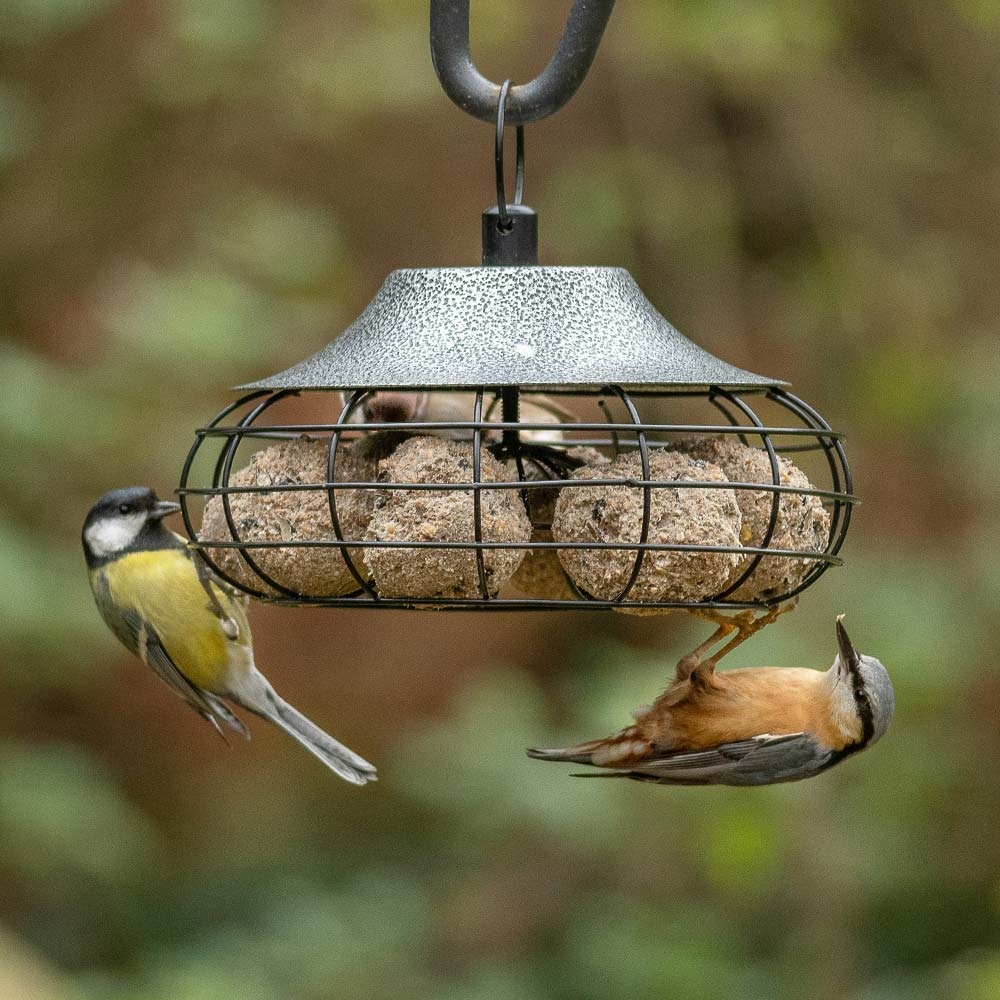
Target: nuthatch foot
pixel 757 726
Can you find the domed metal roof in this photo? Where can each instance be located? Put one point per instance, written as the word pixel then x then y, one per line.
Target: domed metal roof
pixel 534 327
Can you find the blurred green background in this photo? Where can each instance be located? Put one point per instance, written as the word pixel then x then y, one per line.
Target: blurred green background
pixel 195 193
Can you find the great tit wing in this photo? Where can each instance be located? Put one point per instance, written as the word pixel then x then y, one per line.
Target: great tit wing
pixel 152 653
pixel 761 760
pixel 221 709
pixel 204 702
pixel 119 623
pixel 139 636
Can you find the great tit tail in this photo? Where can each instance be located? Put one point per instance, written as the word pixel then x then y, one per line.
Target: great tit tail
pixel 340 759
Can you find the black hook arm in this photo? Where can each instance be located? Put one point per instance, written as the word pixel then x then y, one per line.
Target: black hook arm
pixel 528 102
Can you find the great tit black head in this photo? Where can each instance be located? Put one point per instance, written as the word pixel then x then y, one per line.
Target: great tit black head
pixel 127 520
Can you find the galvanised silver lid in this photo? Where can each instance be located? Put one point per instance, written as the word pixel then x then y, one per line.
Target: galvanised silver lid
pixel 533 327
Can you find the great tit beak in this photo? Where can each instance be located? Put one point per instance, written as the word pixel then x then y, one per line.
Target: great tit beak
pixel 849 659
pixel 163 508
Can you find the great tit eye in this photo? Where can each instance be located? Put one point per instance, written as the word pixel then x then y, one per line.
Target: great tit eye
pixel 124 508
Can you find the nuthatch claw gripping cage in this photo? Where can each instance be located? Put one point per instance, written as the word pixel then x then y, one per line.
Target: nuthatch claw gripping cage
pixel 517 437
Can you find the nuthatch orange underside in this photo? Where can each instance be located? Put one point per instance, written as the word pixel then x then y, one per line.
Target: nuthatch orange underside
pixel 191 629
pixel 756 726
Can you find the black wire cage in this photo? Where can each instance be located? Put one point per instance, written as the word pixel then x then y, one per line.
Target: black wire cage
pixel 537 438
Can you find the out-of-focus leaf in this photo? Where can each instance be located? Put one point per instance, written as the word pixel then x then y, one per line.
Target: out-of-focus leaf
pixel 357 74
pixel 506 982
pixel 294 245
pixel 195 314
pixel 18 124
pixel 205 51
pixel 46 577
pixel 623 949
pixel 609 202
pixel 741 40
pixel 219 29
pixel 491 726
pixel 25 974
pixel 61 813
pixel 32 21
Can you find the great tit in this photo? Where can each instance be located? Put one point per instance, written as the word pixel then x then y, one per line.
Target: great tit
pixel 187 625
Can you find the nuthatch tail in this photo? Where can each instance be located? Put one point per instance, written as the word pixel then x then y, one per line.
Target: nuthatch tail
pixel 757 726
pixel 386 406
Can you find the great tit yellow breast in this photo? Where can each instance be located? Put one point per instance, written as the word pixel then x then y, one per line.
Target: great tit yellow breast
pixel 162 588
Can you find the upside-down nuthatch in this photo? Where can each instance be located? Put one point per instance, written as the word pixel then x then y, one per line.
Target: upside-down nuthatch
pixel 189 627
pixel 757 726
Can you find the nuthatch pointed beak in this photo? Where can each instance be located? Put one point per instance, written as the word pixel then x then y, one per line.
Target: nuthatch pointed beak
pixel 163 508
pixel 849 659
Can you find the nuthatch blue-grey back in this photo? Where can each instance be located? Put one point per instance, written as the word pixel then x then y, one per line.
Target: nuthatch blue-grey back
pixel 756 726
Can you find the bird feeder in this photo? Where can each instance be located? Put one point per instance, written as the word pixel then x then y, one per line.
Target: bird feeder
pixel 513 437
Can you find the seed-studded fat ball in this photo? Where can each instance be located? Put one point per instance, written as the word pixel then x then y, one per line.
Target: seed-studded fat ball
pixel 446 515
pixel 802 524
pixel 541 574
pixel 298 515
pixel 678 516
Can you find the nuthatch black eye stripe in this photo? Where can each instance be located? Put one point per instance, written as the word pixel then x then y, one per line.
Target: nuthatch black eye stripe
pixel 867 716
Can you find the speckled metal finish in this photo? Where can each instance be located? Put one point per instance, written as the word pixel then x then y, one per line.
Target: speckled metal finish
pixel 534 327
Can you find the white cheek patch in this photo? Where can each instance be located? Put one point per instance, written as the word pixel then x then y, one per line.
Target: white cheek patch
pixel 113 534
pixel 844 710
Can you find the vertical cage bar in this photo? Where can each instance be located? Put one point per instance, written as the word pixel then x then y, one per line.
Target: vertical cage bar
pixel 837 460
pixel 331 494
pixel 477 499
pixel 647 493
pixel 230 454
pixel 772 521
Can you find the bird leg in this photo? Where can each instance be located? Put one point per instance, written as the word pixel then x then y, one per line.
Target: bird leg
pixel 687 665
pixel 229 624
pixel 744 624
pixel 747 626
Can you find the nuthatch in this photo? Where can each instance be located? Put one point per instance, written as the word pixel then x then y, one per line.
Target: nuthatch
pixel 191 629
pixel 387 406
pixel 757 726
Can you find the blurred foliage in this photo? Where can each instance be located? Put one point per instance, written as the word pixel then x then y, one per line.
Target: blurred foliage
pixel 195 193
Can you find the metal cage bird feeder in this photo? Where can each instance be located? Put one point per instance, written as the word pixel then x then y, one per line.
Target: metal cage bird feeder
pixel 514 436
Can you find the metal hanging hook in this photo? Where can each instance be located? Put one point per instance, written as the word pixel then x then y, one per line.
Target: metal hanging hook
pixel 527 102
pixel 505 220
